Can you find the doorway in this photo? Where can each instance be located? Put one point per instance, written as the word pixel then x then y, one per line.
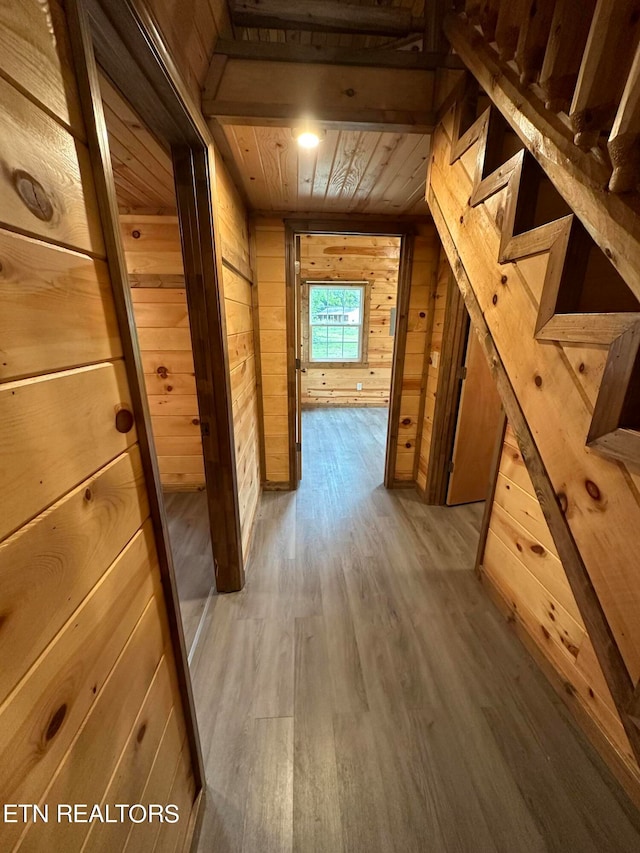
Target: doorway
pixel 149 229
pixel 346 290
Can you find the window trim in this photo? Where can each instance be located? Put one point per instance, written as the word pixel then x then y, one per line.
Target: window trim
pixel 306 285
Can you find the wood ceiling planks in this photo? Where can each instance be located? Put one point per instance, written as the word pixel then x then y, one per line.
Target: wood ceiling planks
pixel 347 40
pixel 141 166
pixel 349 172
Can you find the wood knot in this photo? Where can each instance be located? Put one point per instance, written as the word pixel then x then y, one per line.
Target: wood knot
pixel 88 495
pixel 461 220
pixel 408 445
pixel 495 299
pixel 545 633
pixel 608 253
pixel 135 234
pixel 55 723
pixel 195 421
pixel 1 267
pixel 592 490
pixel 406 421
pixel 350 93
pixel 162 372
pixel 563 501
pixel 124 419
pixel 141 733
pixel 504 279
pixel 33 194
pixel 422 314
pixel 169 388
pixel 537 549
pixel 538 381
pixel 582 367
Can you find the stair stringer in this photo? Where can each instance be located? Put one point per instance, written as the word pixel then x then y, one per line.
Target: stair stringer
pixel 551 239
pixel 618 330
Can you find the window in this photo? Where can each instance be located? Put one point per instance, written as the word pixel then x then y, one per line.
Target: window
pixel 337 318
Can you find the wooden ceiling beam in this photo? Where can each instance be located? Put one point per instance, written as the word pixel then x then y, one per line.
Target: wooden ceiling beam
pixel 328 16
pixel 328 55
pixel 244 91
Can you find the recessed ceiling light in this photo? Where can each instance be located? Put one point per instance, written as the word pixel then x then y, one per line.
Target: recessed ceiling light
pixel 308 139
pixel 307 135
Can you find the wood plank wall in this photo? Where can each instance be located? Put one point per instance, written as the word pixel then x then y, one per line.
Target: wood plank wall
pixel 556 385
pixel 423 306
pixel 520 561
pixel 154 263
pixel 237 280
pixel 89 703
pixel 349 258
pixel 272 316
pixel 191 36
pixel 269 239
pixel 432 374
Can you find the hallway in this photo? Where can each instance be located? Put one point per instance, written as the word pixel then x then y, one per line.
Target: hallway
pixel 362 693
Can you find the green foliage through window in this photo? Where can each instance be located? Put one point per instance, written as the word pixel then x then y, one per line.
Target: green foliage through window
pixel 335 321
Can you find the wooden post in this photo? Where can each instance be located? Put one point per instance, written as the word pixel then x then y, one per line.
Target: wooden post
pixel 624 141
pixel 567 40
pixel 607 59
pixel 510 17
pixel 532 41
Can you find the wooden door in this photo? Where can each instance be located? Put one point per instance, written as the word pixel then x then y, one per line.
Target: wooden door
pixel 479 418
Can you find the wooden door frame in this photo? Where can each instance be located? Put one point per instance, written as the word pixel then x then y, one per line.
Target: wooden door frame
pixel 126 40
pixel 129 48
pixel 455 332
pixel 86 68
pixel 348 226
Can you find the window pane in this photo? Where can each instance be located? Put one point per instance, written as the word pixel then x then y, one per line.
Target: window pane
pixel 335 317
pixel 335 305
pixel 335 343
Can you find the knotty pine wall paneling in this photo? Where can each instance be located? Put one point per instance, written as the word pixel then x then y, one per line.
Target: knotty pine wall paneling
pixel 269 235
pixel 422 317
pixel 320 257
pixel 191 35
pixel 433 370
pixel 343 257
pixel 153 254
pixel 239 295
pixel 591 500
pixel 521 563
pixel 88 690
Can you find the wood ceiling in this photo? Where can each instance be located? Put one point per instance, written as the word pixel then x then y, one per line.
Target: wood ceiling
pixel 142 168
pixel 374 171
pixel 347 40
pixel 350 171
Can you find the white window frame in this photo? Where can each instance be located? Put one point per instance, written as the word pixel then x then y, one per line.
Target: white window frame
pixel 364 287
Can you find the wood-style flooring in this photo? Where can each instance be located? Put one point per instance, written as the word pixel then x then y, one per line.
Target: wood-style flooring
pixel 363 694
pixel 190 540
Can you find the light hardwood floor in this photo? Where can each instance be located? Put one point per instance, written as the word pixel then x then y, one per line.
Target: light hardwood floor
pixel 192 558
pixel 362 694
